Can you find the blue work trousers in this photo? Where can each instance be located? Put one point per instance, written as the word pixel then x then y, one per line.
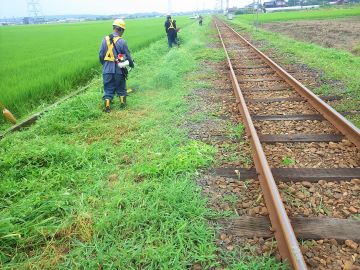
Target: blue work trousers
pixel 114 83
pixel 171 38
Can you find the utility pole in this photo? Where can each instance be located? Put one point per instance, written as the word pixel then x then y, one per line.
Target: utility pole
pixel 34 10
pixel 169 6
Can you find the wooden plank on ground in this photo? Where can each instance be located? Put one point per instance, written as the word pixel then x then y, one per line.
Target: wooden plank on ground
pixel 305 228
pixel 294 174
pixel 284 138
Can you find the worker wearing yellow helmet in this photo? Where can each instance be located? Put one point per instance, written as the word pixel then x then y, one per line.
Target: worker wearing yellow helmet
pixel 115 57
pixel 170 29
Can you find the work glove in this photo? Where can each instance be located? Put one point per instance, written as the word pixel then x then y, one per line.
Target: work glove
pixel 123 64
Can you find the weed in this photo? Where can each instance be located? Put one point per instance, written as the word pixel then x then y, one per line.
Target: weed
pixel 232 199
pixel 249 259
pixel 237 132
pixel 320 208
pixel 287 161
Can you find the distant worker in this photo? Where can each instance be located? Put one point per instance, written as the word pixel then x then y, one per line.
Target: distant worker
pixel 176 34
pixel 170 28
pixel 115 57
pixel 200 20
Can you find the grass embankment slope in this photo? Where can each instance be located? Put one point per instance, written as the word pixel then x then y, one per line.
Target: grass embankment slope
pixel 39 63
pixel 86 190
pixel 337 65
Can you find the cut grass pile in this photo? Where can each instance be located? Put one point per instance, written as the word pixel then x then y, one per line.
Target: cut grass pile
pixel 86 190
pixel 315 14
pixel 39 63
pixel 336 65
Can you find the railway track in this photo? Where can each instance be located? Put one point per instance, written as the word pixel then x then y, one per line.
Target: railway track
pixel 282 117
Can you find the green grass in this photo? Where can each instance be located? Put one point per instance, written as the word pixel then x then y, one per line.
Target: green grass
pixel 316 14
pixel 86 190
pixel 39 63
pixel 288 161
pixel 114 191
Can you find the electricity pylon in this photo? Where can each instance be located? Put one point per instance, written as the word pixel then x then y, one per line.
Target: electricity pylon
pixel 34 10
pixel 169 6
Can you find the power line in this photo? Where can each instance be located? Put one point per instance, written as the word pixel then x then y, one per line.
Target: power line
pixel 35 12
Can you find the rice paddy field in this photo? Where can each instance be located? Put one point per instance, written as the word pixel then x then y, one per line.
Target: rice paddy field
pixel 39 63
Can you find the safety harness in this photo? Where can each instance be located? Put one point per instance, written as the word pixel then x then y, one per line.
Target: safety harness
pixel 109 56
pixel 171 25
pixel 110 42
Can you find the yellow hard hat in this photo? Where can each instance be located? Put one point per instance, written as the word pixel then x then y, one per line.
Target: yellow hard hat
pixel 119 23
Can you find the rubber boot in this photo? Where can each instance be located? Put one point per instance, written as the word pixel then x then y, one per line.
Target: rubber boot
pixel 107 105
pixel 122 102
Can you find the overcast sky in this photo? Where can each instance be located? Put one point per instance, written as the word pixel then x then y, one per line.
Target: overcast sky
pixel 18 8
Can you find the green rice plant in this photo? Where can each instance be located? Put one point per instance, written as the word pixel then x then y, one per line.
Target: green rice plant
pixel 39 63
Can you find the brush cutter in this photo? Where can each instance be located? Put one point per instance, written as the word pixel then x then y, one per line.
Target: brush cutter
pixel 7 114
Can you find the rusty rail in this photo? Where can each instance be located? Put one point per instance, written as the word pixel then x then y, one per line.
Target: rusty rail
pixel 335 118
pixel 286 240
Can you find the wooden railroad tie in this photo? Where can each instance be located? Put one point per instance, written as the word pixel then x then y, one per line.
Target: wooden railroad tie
pixel 255 89
pixel 294 117
pixel 284 138
pixel 271 100
pixel 293 174
pixel 305 228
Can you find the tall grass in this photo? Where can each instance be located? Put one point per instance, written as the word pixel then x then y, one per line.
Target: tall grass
pixel 41 62
pixel 324 13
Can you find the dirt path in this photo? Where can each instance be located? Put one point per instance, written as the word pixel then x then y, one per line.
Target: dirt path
pixel 340 33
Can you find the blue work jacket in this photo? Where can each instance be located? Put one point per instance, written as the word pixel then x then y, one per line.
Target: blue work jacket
pixel 109 66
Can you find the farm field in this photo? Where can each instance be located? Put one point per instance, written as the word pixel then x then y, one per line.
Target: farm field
pixel 40 63
pixel 324 13
pixel 338 33
pixel 339 68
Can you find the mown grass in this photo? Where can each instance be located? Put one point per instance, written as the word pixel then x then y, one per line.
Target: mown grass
pixel 86 190
pixel 336 65
pixel 39 63
pixel 315 14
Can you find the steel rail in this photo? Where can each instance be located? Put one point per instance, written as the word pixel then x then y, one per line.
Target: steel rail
pixel 286 240
pixel 336 119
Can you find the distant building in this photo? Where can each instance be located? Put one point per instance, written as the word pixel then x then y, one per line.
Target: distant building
pixel 26 20
pixel 275 3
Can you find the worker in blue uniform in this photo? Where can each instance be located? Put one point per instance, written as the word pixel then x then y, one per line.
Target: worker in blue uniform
pixel 115 57
pixel 170 29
